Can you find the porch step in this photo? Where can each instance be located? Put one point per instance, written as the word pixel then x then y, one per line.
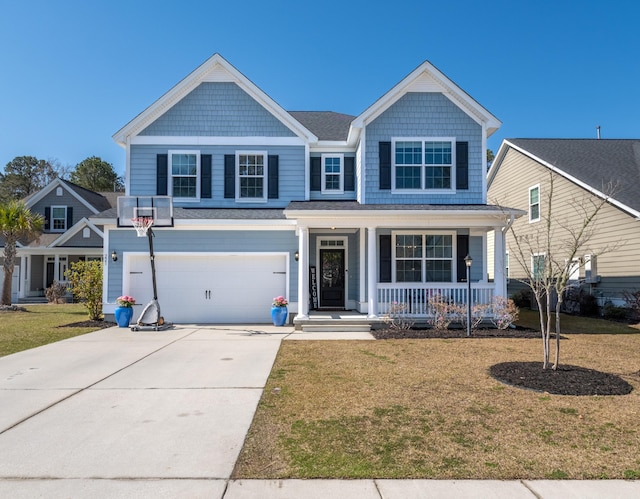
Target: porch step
pixel 334 327
pixel 32 300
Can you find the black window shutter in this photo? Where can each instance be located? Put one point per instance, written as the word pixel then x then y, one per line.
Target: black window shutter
pixel 462 243
pixel 384 153
pixel 462 165
pixel 273 177
pixel 47 218
pixel 69 217
pixel 162 172
pixel 349 174
pixel 316 174
pixel 205 176
pixel 229 175
pixel 385 257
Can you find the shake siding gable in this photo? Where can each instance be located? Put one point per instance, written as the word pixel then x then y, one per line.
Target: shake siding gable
pixel 424 115
pixel 218 109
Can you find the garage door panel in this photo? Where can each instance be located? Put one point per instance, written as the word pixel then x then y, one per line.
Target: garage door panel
pixel 210 288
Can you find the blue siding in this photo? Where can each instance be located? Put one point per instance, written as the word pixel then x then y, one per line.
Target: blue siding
pixel 291 173
pixel 172 240
pixel 218 109
pixel 475 252
pixel 424 115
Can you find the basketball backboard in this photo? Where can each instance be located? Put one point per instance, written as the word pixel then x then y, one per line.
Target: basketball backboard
pixel 160 208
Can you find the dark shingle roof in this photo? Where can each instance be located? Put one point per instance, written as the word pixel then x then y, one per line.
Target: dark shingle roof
pixel 326 125
pixel 595 162
pixel 95 199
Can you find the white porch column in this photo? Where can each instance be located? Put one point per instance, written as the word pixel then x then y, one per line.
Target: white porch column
pixel 56 268
pixel 372 280
pixel 499 277
pixel 303 272
pixel 22 285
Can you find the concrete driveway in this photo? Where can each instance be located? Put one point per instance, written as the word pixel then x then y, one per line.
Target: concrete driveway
pixel 120 414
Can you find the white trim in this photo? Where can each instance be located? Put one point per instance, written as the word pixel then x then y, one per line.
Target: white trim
pixel 503 150
pixel 69 233
pixel 212 69
pixel 38 196
pixel 52 218
pixel 529 205
pixel 265 177
pixel 174 140
pixel 170 175
pixel 323 186
pixel 533 255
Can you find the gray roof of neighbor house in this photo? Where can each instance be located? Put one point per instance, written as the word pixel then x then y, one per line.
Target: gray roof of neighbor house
pixel 595 162
pixel 97 200
pixel 326 125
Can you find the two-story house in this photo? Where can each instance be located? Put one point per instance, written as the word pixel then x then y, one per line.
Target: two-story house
pixel 335 212
pixel 67 236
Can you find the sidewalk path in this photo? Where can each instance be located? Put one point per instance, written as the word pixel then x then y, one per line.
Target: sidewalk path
pixel 164 415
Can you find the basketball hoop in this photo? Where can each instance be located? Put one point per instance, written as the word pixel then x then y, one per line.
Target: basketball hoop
pixel 142 225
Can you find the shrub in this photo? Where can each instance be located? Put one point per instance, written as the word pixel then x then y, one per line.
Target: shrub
pixel 610 311
pixel 522 298
pixel 443 313
pixel 505 312
pixel 632 299
pixel 56 293
pixel 397 318
pixel 588 305
pixel 85 280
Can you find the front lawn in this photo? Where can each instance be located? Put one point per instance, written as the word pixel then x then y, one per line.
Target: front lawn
pixel 39 326
pixel 430 409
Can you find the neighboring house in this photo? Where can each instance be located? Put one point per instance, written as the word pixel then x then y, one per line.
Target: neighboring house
pixel 583 170
pixel 68 236
pixel 335 212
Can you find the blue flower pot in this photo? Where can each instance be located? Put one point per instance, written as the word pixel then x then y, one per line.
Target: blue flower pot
pixel 123 316
pixel 279 315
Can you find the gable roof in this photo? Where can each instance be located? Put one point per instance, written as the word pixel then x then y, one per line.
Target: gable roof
pixel 590 163
pixel 428 78
pixel 94 201
pixel 214 69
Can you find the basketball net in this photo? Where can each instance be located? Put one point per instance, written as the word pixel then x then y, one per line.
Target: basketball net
pixel 142 225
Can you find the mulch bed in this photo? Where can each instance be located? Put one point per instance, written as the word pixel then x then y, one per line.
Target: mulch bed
pixel 565 380
pixel 426 333
pixel 88 323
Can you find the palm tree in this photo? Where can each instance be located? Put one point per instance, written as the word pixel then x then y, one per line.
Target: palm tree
pixel 16 222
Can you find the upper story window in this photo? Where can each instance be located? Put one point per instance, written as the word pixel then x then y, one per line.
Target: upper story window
pixel 251 178
pixel 423 257
pixel 534 203
pixel 184 167
pixel 421 164
pixel 332 173
pixel 58 218
pixel 538 262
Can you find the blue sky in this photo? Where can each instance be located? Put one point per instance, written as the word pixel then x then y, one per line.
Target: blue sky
pixel 74 72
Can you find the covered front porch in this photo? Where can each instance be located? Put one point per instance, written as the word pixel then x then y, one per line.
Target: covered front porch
pixel 398 261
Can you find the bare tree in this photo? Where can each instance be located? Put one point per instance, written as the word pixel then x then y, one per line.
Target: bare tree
pixel 549 253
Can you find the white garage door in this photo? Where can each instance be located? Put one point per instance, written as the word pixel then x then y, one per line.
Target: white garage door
pixel 208 288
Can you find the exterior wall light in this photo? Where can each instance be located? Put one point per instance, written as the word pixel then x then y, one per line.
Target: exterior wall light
pixel 114 256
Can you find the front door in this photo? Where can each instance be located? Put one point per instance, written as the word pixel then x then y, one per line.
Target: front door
pixel 332 278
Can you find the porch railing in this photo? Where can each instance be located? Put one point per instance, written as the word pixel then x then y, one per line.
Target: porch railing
pixel 415 299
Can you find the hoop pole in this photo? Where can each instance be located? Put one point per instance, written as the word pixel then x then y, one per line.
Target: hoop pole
pixel 153 264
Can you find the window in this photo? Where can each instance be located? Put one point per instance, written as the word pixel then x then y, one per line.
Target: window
pixel 534 203
pixel 86 233
pixel 251 176
pixel 507 265
pixel 423 257
pixel 185 179
pixel 537 266
pixel 58 218
pixel 423 164
pixel 332 177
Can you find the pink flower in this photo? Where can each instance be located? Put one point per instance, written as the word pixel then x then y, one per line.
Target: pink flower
pixel 280 301
pixel 126 301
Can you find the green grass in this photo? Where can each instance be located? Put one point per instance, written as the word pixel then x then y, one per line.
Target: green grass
pixel 572 324
pixel 39 326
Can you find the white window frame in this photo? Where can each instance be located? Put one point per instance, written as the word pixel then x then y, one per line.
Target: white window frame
pixel 531 219
pixel 340 174
pixel 423 258
pixel 64 219
pixel 170 175
pixel 533 257
pixel 507 265
pixel 423 189
pixel 265 177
